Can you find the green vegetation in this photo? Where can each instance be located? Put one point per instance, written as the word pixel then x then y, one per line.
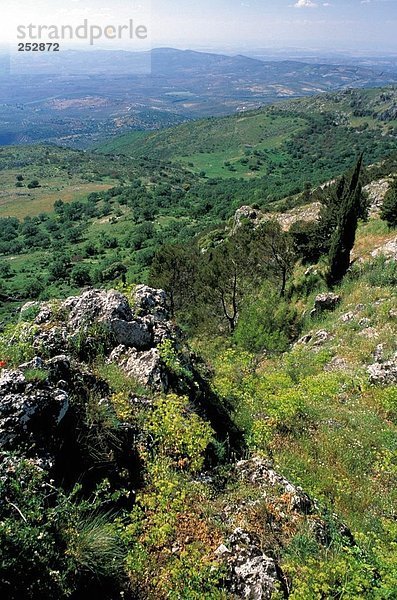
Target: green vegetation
pixel 389 208
pixel 350 207
pixel 100 219
pixel 144 486
pixel 278 148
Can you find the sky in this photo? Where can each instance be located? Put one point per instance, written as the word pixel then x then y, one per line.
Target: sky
pixel 356 25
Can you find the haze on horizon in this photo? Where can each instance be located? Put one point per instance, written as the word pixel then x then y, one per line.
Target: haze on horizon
pixel 337 25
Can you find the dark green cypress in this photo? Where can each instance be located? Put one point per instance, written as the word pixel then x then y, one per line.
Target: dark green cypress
pixel 344 236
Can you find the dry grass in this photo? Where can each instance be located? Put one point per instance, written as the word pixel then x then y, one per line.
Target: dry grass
pixel 20 202
pixel 370 236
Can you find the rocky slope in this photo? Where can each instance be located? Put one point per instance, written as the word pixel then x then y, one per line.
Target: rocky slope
pixel 44 403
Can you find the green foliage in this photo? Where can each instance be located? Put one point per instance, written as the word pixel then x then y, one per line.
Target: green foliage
pixel 350 205
pixel 35 374
pixel 179 433
pixel 379 272
pixel 192 579
pixel 265 324
pixel 171 360
pixel 91 341
pixel 16 343
pixel 94 544
pixel 33 184
pixel 389 207
pixel 263 402
pixel 80 275
pixel 345 575
pixel 118 380
pixel 169 502
pixel 51 544
pixel 174 269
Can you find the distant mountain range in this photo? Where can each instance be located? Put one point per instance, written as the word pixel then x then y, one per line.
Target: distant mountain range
pixel 92 96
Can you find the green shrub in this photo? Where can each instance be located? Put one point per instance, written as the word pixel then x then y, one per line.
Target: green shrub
pixel 265 324
pixel 389 208
pixel 51 544
pixel 172 361
pixel 16 344
pixel 179 433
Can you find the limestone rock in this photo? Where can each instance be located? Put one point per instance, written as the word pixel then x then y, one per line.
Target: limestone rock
pixel 136 334
pixel 252 574
pixel 383 373
pixel 96 306
pixel 151 301
pixel 389 250
pixel 376 191
pixel 326 301
pixel 369 332
pixel 259 472
pixel 136 331
pixel 245 213
pixel 347 317
pixel 337 364
pixel 28 411
pixel 146 367
pixel 315 339
pixel 54 340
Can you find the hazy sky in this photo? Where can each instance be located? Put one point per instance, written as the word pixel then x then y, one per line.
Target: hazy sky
pixel 304 23
pixel 337 24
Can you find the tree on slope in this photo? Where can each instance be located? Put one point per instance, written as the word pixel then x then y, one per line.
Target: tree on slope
pixel 343 238
pixel 389 208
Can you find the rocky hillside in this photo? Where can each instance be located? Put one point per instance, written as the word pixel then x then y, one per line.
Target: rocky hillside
pixel 148 451
pixel 122 468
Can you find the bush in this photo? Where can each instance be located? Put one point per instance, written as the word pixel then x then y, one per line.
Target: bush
pixel 179 433
pixel 265 324
pixel 33 184
pixel 51 545
pixel 80 275
pixel 389 208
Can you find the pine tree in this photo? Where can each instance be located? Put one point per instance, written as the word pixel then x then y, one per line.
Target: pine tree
pixel 343 238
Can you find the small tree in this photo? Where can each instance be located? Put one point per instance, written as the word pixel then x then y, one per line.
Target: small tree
pixel 34 184
pixel 389 208
pixel 343 238
pixel 80 275
pixel 275 253
pixel 174 268
pixel 229 272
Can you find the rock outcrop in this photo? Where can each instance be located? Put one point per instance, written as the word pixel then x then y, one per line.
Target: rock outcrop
pixel 383 373
pixel 137 335
pixel 30 413
pixel 252 569
pixel 133 333
pixel 377 191
pixel 252 574
pixel 325 302
pixel 388 250
pixel 260 473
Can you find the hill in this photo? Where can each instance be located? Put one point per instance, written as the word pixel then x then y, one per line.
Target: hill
pixel 302 140
pixel 97 95
pixel 70 218
pixel 167 464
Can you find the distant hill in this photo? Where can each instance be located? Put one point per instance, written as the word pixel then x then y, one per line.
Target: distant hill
pixel 300 140
pixel 92 96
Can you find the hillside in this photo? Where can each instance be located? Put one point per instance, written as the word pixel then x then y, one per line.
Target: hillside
pixel 94 218
pixel 142 463
pixel 100 94
pixel 190 407
pixel 296 140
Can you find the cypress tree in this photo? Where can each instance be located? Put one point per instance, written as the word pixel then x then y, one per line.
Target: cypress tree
pixel 344 236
